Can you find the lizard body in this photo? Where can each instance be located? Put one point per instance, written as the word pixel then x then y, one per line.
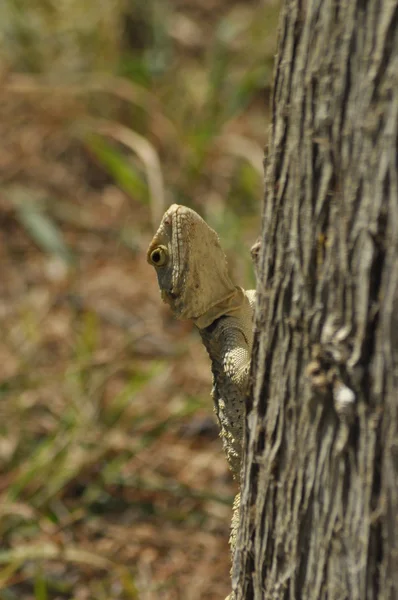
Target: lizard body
pixel 193 278
pixel 228 341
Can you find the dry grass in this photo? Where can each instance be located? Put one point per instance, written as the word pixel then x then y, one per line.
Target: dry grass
pixel 112 479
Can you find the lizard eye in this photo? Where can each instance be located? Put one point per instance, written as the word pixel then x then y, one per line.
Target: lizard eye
pixel 159 256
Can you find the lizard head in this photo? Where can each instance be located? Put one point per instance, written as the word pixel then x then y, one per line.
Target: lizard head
pixel 191 268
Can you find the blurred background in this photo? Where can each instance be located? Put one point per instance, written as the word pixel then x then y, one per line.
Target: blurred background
pixel 113 484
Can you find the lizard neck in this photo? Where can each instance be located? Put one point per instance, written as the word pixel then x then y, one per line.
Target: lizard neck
pixel 226 307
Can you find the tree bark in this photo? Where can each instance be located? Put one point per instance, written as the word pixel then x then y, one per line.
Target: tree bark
pixel 319 508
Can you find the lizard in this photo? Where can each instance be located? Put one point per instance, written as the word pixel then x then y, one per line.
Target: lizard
pixel 194 281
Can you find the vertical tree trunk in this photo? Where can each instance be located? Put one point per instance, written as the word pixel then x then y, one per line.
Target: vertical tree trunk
pixel 319 515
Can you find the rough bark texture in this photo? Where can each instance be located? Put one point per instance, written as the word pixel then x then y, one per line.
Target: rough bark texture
pixel 319 515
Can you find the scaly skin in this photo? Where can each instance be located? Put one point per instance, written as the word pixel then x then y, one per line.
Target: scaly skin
pixel 193 278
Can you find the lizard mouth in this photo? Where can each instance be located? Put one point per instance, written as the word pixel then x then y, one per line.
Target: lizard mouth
pixel 169 298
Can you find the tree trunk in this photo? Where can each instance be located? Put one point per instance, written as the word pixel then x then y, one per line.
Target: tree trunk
pixel 319 514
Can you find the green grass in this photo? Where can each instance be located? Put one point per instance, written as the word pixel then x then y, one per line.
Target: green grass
pixel 112 482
